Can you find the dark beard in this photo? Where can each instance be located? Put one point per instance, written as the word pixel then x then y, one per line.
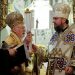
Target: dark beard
pixel 58 29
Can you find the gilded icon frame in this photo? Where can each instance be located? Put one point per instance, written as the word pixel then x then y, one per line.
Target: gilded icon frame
pixel 3 13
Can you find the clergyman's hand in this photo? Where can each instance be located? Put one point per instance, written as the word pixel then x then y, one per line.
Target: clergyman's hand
pixel 68 70
pixel 12 51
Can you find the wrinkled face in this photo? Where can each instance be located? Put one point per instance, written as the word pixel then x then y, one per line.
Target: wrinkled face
pixel 19 30
pixel 58 24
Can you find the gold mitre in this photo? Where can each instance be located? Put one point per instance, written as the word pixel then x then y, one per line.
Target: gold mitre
pixel 61 10
pixel 13 18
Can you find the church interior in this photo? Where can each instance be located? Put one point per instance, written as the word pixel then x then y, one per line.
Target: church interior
pixel 37 15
